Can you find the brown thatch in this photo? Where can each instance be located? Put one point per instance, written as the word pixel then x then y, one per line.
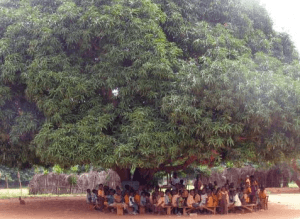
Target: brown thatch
pixel 60 183
pixel 278 176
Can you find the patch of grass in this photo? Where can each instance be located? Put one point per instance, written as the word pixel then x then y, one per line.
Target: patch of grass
pixel 293 185
pixel 14 193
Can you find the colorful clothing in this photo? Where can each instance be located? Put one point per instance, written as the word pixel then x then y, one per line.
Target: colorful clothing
pixel 216 200
pixel 237 201
pixel 94 198
pixel 143 201
pixel 137 198
pixel 167 200
pixel 203 199
pixel 262 194
pixel 190 201
pixel 126 199
pixel 180 202
pixel 174 200
pixel 88 198
pixel 197 198
pixel 101 193
pixel 224 202
pixel 161 202
pixel 110 199
pixel 118 198
pixel 210 201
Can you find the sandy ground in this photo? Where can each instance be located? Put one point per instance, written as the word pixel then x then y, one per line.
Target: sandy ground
pixel 280 206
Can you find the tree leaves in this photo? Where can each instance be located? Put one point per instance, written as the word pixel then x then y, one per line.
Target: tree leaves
pixel 140 84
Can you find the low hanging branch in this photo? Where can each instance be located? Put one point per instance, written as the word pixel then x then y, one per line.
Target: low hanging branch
pixel 188 162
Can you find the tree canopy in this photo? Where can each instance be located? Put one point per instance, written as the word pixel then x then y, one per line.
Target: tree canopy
pixel 147 84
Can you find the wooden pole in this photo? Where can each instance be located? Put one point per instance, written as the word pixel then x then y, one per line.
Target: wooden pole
pixel 94 182
pixel 6 180
pixel 167 179
pixel 20 181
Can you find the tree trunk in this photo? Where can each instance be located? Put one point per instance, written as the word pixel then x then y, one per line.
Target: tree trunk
pixel 6 180
pixel 296 180
pixel 143 176
pixel 123 173
pixel 19 177
pixel 295 176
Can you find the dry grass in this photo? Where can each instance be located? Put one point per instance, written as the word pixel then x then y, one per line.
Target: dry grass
pixel 13 193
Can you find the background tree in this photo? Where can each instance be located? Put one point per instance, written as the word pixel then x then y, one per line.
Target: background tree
pixel 145 85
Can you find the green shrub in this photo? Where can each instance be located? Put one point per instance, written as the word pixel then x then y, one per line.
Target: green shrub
pixel 72 180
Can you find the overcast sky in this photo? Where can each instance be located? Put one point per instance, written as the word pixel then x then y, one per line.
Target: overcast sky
pixel 286 17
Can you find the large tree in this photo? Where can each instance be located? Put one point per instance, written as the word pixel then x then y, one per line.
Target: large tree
pixel 145 85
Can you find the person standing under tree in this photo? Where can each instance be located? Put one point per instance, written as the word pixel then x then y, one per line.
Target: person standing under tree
pixel 224 199
pixel 198 184
pixel 174 181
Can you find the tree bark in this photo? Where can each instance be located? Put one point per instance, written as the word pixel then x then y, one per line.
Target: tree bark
pixel 295 176
pixel 124 173
pixel 19 177
pixel 143 176
pixel 6 180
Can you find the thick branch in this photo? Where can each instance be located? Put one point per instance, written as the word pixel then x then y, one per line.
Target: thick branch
pixel 178 167
pixel 295 167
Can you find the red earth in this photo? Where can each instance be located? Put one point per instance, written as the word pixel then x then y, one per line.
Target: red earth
pixel 284 204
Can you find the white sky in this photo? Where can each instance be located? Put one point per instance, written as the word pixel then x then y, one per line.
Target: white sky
pixel 286 17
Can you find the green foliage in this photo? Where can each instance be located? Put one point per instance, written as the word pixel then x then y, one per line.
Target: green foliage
pixel 38 169
pixel 145 84
pixel 203 171
pixel 12 174
pixel 46 172
pixel 218 169
pixel 87 168
pixel 72 180
pixel 74 169
pixel 57 169
pixel 229 164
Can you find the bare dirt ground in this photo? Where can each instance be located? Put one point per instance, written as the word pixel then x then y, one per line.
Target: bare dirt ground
pixel 286 205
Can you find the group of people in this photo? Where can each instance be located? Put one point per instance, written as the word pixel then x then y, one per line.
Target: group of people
pixel 198 199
